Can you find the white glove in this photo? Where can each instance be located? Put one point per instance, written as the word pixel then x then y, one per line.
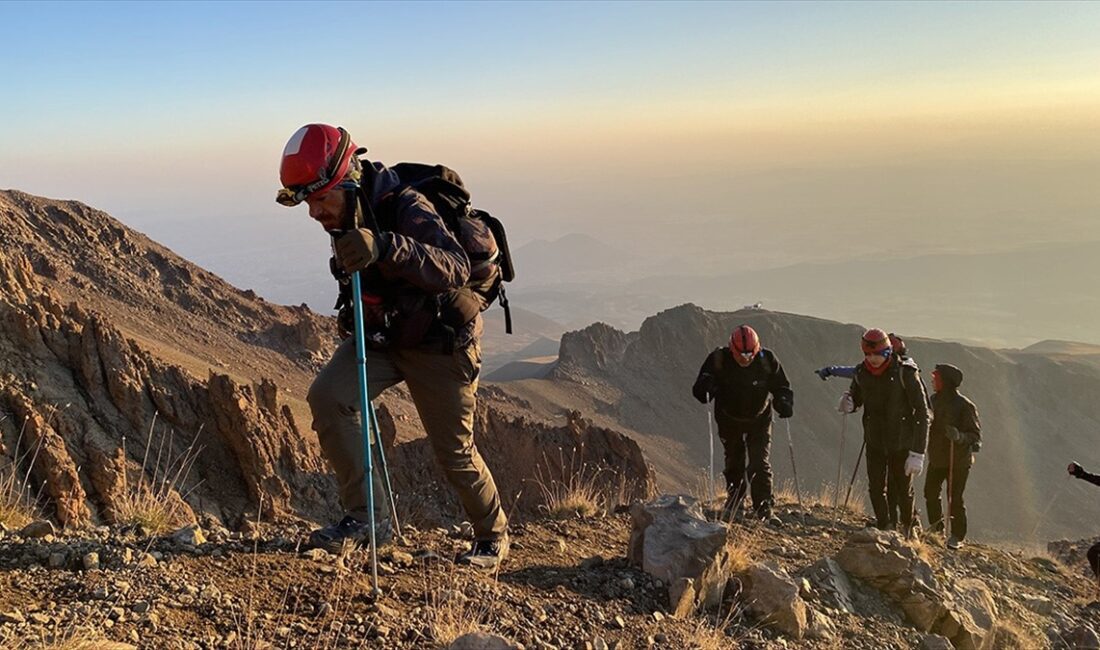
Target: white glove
pixel 846 405
pixel 914 465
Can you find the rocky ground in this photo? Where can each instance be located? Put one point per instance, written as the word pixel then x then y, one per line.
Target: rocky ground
pixel 567 584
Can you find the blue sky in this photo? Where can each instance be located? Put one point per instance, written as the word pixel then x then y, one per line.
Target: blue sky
pixel 168 112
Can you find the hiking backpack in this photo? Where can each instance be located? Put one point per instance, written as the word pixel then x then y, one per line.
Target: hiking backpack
pixel 481 236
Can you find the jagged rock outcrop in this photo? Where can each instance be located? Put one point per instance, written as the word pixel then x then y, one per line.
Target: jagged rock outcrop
pixel 884 561
pixel 78 390
pixel 526 457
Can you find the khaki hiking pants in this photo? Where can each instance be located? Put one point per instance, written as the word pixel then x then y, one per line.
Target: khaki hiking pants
pixel 444 390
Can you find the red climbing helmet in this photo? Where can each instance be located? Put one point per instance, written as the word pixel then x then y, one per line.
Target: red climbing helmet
pixel 744 341
pixel 316 158
pixel 875 341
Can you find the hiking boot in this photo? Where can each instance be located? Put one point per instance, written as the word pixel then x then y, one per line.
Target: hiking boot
pixel 953 543
pixel 768 517
pixel 486 554
pixel 350 530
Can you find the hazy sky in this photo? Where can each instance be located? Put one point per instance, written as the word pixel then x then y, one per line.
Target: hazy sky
pixel 710 119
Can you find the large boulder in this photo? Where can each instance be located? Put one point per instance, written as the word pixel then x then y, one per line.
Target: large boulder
pixel 772 596
pixel 672 541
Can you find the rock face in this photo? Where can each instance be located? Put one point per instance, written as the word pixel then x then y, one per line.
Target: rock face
pixel 884 561
pixel 772 596
pixel 672 541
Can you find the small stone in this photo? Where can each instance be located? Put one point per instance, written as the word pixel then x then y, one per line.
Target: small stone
pixel 37 529
pixel 1039 604
pixel 189 536
pixel 13 616
pixel 126 555
pixel 618 623
pixel 140 607
pixel 90 561
pixel 317 554
pixel 592 562
pixel 57 560
pixel 401 558
pixel 658 616
pixel 148 560
pixel 323 610
pixel 627 584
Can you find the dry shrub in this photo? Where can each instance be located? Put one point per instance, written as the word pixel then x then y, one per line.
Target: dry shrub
pixel 18 506
pixel 577 493
pixel 154 501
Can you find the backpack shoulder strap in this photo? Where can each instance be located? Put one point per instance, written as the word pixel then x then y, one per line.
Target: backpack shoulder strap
pixel 767 361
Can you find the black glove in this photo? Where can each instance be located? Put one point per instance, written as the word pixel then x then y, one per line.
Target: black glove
pixel 345 321
pixel 1075 470
pixel 357 250
pixel 784 408
pixel 954 435
pixel 705 387
pixel 824 373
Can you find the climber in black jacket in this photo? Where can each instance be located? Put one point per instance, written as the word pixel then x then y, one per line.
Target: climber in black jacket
pixel 1076 471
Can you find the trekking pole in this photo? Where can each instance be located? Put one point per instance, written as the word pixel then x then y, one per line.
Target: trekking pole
pixel 855 470
pixel 710 466
pixel 386 476
pixel 794 471
pixel 839 468
pixel 365 410
pixel 948 523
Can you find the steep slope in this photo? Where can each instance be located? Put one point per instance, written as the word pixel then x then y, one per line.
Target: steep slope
pixel 1037 412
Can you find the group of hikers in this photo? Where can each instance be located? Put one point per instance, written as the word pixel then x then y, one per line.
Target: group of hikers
pixel 417 265
pixel 901 427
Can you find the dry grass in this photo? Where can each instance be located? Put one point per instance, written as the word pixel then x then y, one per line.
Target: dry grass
pixel 18 506
pixel 719 632
pixel 577 494
pixel 449 612
pixel 742 547
pixel 1010 635
pixel 154 501
pixel 78 639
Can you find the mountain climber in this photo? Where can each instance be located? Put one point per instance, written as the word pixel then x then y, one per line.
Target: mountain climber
pixel 953 437
pixel 410 260
pixel 901 352
pixel 895 427
pixel 1076 471
pixel 747 383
